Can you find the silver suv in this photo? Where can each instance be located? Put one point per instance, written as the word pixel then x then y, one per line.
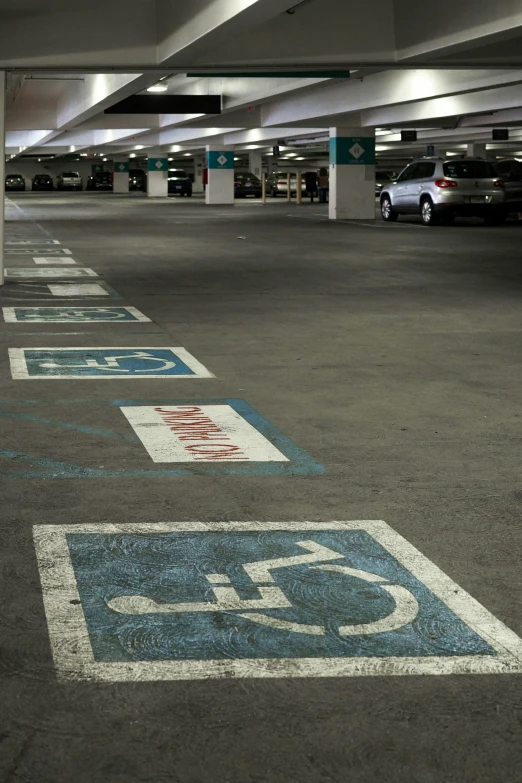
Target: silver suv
pixel 440 189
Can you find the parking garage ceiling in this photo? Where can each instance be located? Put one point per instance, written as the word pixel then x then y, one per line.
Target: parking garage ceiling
pixel 452 80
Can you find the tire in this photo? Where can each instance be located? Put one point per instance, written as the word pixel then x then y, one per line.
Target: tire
pixel 275 193
pixel 428 215
pixel 496 219
pixel 387 211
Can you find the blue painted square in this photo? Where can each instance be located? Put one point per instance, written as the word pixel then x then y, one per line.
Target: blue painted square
pixel 132 587
pixel 105 362
pixel 74 314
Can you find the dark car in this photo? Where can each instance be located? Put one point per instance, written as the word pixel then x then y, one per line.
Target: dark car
pixel 137 180
pixel 180 182
pixel 101 180
pixel 14 182
pixel 247 185
pixel 510 171
pixel 42 182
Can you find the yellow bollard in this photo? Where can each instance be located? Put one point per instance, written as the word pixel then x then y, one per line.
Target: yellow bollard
pixel 263 188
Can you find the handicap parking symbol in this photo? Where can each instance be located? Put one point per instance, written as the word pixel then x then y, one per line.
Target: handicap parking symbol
pixel 73 314
pixel 77 363
pixel 190 601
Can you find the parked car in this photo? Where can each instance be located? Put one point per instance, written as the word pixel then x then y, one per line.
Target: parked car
pixel 137 179
pixel 69 180
pixel 247 186
pixel 100 180
pixel 14 182
pixel 277 184
pixel 510 170
pixel 441 189
pixel 42 182
pixel 383 177
pixel 180 182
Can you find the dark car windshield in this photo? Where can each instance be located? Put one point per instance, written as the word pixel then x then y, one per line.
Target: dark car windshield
pixel 178 174
pixel 14 176
pixel 469 169
pixel 43 177
pixel 71 174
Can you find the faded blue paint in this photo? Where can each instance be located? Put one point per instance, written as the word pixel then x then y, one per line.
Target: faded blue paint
pixel 67 425
pixel 172 568
pixel 300 464
pixel 73 314
pixel 103 362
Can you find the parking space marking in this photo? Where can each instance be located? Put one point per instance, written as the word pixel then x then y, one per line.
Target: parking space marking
pixel 34 242
pixel 114 362
pixel 67 290
pixel 43 260
pixel 77 271
pixel 194 600
pixel 31 251
pixel 200 433
pixel 297 462
pixel 73 314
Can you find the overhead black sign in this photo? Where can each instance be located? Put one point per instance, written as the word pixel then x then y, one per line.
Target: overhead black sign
pixel 275 151
pixel 500 134
pixel 167 104
pixel 409 135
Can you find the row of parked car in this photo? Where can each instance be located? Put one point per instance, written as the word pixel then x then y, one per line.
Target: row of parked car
pixel 441 189
pixel 68 180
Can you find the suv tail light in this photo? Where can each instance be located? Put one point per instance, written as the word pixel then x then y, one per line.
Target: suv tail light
pixel 446 183
pixel 498 183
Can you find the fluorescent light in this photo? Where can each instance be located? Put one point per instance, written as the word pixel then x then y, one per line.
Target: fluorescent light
pixel 187 155
pixel 139 147
pixel 158 88
pixel 291 155
pixel 449 154
pixel 171 159
pixel 253 147
pixel 132 155
pixel 83 154
pixel 105 160
pixel 299 158
pixel 236 158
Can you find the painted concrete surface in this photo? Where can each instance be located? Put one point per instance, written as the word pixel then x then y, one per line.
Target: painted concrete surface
pixel 389 354
pixel 77 271
pixel 73 315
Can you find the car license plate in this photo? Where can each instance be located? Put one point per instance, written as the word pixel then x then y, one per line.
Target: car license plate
pixel 178 187
pixel 477 199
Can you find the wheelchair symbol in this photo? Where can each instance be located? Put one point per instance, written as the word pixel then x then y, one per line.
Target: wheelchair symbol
pixel 112 363
pixel 272 597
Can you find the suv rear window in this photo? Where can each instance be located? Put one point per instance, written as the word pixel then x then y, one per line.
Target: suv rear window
pixel 469 169
pixel 71 174
pixel 178 173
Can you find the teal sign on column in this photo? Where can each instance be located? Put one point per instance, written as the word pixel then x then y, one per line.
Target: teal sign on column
pixel 220 160
pixel 158 164
pixel 352 150
pixel 121 167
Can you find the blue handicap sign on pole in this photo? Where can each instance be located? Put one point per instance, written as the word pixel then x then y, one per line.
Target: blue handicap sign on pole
pixel 253 599
pixel 105 363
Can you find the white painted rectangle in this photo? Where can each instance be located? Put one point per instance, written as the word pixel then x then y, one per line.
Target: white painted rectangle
pixel 199 433
pixel 34 242
pixel 79 289
pixel 43 260
pixel 18 272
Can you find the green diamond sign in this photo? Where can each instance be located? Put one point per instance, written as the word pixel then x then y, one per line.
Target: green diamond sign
pixel 352 150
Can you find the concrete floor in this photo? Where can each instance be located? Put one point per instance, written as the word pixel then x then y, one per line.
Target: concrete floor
pixel 391 355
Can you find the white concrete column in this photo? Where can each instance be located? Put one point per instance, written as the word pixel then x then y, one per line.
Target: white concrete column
pixel 255 163
pixel 352 174
pixel 220 163
pixel 199 162
pixel 121 175
pixel 2 173
pixel 477 149
pixel 157 174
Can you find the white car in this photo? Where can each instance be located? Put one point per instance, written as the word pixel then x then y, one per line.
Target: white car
pixel 277 184
pixel 69 180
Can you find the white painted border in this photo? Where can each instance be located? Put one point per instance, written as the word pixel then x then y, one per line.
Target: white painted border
pixel 74 660
pixel 19 369
pixel 69 273
pixel 34 242
pixel 10 315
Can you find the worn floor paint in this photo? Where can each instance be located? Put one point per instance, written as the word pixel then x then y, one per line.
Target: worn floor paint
pixel 43 260
pixel 250 599
pixel 200 433
pixel 85 289
pixel 78 271
pixel 113 362
pixel 73 314
pixel 34 242
pixel 31 251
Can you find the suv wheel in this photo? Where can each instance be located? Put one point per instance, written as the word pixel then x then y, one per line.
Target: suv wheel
pixel 429 218
pixel 387 211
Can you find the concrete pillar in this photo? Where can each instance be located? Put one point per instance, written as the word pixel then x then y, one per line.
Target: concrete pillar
pixel 2 173
pixel 255 163
pixel 270 165
pixel 220 163
pixel 477 149
pixel 158 174
pixel 352 174
pixel 199 162
pixel 121 175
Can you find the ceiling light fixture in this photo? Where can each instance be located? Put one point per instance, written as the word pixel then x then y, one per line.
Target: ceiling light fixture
pixel 158 88
pixel 187 155
pixel 132 155
pixel 139 147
